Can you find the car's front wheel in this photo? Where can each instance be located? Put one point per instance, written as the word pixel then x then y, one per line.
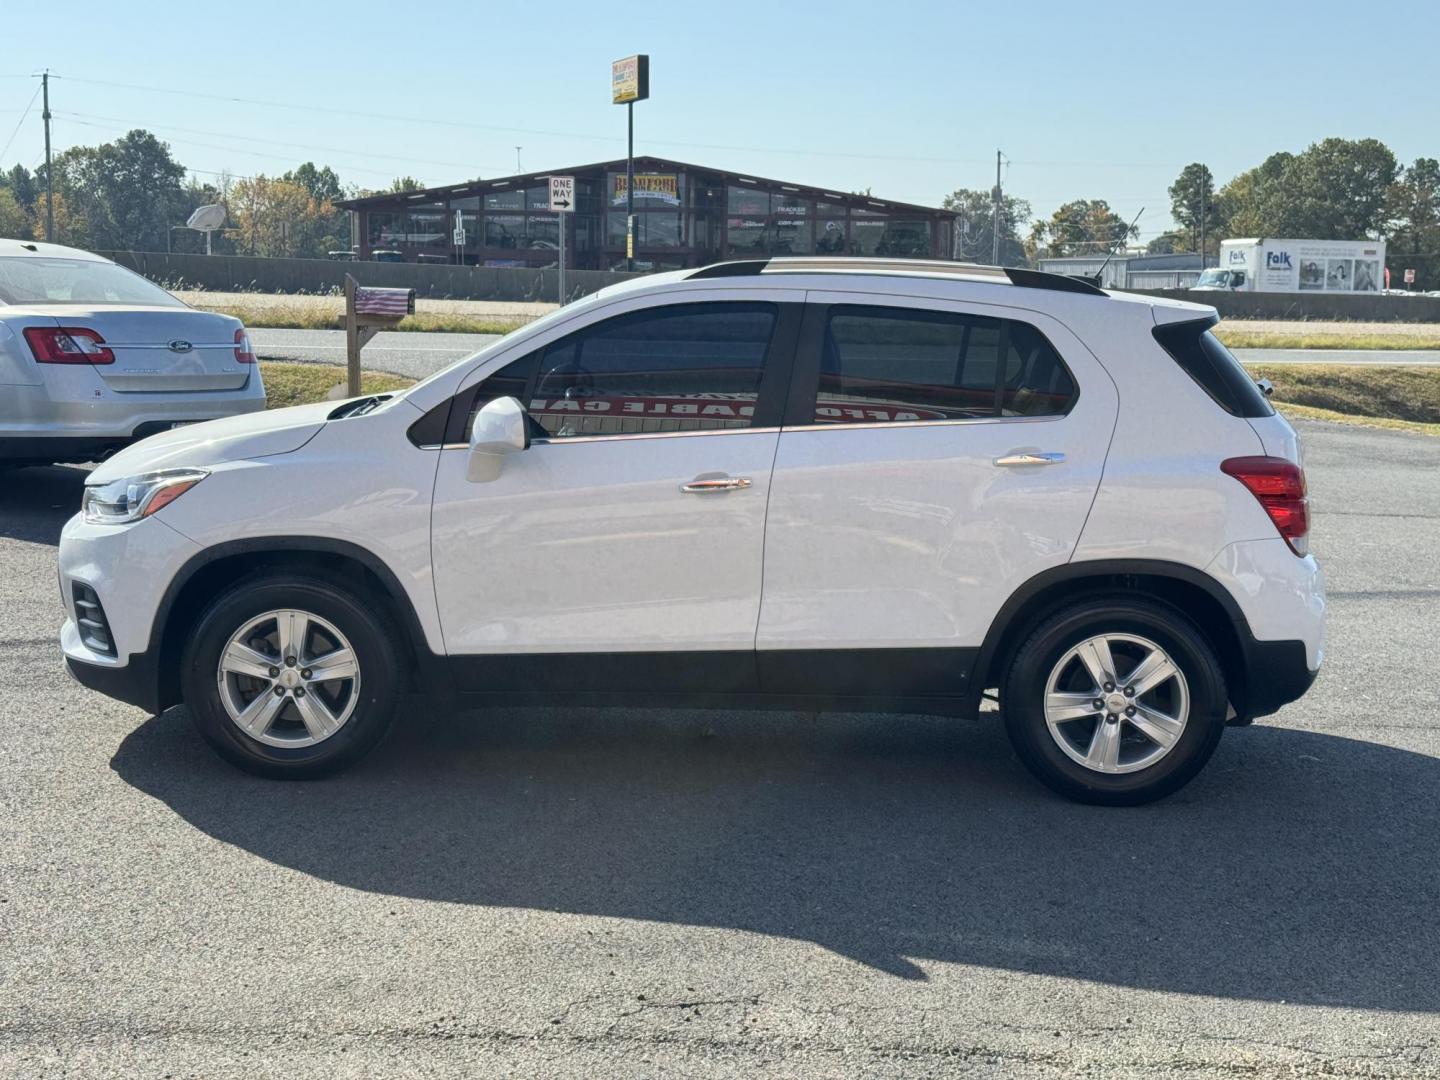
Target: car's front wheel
pixel 291 677
pixel 1116 701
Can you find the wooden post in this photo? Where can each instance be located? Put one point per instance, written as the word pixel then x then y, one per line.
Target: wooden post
pixel 352 341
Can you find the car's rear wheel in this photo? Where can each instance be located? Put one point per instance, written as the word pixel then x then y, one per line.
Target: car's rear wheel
pixel 1115 700
pixel 291 677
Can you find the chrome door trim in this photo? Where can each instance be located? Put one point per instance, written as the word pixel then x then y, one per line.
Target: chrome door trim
pixel 868 426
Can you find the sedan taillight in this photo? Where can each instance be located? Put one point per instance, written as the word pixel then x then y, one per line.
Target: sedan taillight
pixel 244 351
pixel 67 345
pixel 1279 486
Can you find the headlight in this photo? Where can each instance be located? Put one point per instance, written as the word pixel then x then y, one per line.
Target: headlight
pixel 135 497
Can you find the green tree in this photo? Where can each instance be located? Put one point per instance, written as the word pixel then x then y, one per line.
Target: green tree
pixel 1080 227
pixel 1335 189
pixel 125 194
pixel 332 231
pixel 21 184
pixel 974 226
pixel 1250 202
pixel 405 183
pixel 1192 201
pixel 1169 243
pixel 1412 207
pixel 322 183
pixel 14 221
pixel 279 218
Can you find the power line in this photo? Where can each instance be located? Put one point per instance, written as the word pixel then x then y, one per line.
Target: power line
pixel 18 124
pixel 250 153
pixel 273 142
pixel 585 136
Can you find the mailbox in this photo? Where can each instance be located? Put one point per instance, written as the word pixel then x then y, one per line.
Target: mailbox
pixel 372 302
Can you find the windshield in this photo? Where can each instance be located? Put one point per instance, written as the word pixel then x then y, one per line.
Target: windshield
pixel 38 280
pixel 1215 277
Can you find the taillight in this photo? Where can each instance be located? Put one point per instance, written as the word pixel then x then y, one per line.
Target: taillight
pixel 67 345
pixel 244 352
pixel 1279 485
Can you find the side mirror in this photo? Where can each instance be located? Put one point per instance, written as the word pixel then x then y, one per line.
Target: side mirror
pixel 1266 387
pixel 500 428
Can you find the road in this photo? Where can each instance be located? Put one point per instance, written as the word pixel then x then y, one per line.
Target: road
pixel 629 893
pixel 418 355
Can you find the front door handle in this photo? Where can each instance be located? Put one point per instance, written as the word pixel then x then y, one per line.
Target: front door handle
pixel 715 483
pixel 1031 457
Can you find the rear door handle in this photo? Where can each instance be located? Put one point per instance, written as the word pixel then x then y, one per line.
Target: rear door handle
pixel 714 484
pixel 1031 457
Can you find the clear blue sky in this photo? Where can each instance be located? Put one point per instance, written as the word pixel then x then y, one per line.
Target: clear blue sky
pixel 909 98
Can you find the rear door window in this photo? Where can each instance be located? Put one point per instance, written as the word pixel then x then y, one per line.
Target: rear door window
pixel 896 365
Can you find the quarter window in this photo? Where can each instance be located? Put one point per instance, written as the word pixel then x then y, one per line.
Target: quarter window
pixel 884 365
pixel 690 367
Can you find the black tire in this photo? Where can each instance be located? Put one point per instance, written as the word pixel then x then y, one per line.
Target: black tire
pixel 1022 697
pixel 356 615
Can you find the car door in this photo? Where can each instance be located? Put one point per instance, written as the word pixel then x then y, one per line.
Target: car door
pixel 934 456
pixel 629 536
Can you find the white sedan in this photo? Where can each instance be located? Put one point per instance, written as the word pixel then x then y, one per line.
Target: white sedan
pixel 94 357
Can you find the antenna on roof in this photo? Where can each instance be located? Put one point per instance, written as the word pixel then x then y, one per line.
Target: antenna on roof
pixel 1111 254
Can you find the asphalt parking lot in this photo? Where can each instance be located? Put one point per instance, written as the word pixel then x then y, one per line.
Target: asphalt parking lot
pixel 603 892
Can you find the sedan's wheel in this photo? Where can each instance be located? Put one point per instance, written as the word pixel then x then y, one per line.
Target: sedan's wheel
pixel 291 676
pixel 1115 701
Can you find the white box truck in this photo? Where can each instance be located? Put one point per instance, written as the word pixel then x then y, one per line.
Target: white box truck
pixel 1264 265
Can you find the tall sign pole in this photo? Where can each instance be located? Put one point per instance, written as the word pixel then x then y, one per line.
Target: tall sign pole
pixel 562 202
pixel 629 83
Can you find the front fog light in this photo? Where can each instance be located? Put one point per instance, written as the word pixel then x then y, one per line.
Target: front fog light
pixel 134 497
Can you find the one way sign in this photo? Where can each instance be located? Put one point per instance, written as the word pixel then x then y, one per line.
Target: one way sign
pixel 562 193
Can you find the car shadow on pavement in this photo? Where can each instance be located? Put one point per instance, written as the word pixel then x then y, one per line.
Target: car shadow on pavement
pixel 1300 867
pixel 36 502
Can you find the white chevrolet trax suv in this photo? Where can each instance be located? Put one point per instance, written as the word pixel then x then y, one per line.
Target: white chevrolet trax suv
pixel 803 483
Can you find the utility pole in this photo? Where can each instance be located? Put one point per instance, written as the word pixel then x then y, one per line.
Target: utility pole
pixel 1204 191
pixel 995 216
pixel 49 179
pixel 517 159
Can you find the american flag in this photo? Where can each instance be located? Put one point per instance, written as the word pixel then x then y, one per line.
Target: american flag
pixel 371 300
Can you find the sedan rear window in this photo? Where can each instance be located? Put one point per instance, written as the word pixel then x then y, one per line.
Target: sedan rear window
pixel 40 280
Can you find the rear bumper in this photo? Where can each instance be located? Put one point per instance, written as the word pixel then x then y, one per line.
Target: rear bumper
pixel 1282 635
pixel 79 418
pixel 64 447
pixel 1276 673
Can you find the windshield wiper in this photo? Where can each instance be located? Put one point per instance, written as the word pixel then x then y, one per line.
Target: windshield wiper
pixel 359 407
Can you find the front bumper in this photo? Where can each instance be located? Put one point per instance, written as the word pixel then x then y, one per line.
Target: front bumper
pixel 129 568
pixel 136 682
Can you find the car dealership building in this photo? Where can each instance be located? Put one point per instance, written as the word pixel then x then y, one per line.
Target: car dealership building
pixel 687 215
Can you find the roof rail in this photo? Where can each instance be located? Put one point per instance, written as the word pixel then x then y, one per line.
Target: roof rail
pixel 1029 279
pixel 741 268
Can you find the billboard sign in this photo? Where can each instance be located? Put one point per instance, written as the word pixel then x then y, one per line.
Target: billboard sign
pixel 630 79
pixel 650 187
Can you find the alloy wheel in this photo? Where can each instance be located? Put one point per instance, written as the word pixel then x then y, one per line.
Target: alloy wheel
pixel 1116 703
pixel 288 678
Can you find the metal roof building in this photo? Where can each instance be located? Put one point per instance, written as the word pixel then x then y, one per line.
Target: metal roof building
pixel 688 215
